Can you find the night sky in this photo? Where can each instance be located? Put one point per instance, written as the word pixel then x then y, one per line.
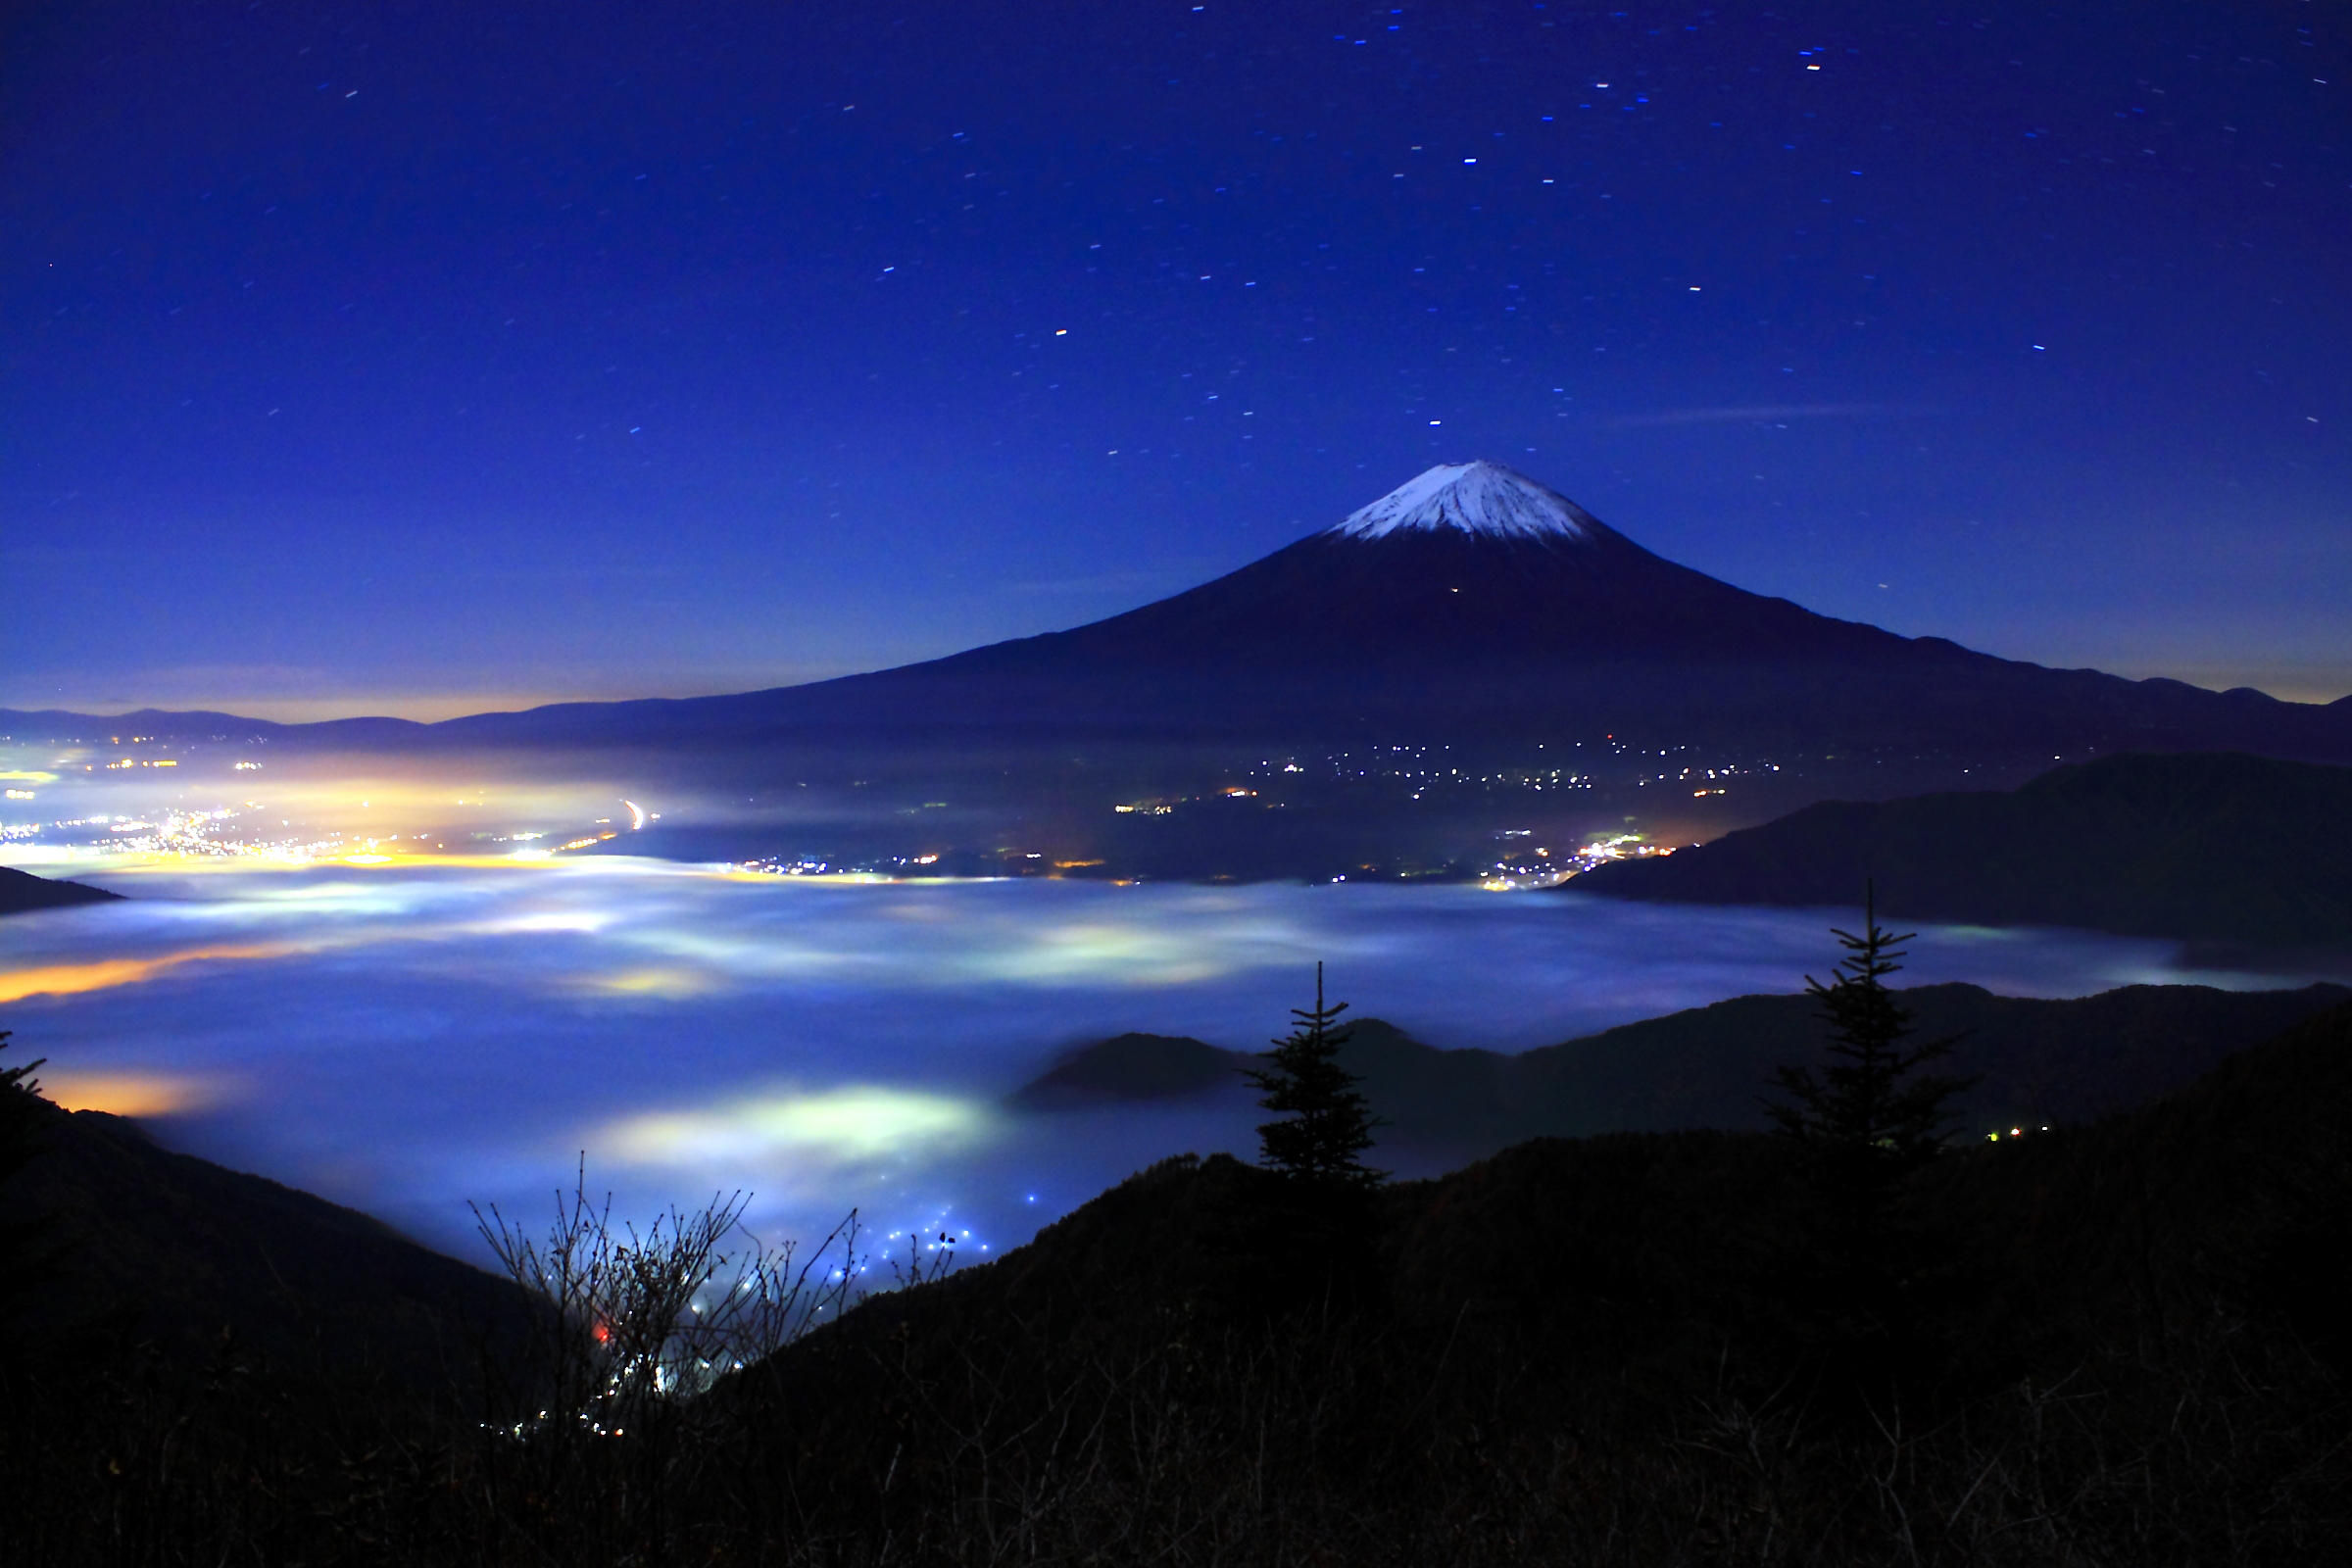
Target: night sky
pixel 431 358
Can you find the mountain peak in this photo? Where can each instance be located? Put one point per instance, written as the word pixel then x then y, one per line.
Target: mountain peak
pixel 1483 499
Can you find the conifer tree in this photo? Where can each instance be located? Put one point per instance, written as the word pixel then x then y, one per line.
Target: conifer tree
pixel 1870 1116
pixel 19 1112
pixel 1325 1123
pixel 25 1255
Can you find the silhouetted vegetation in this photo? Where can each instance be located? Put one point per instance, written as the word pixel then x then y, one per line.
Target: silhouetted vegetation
pixel 1868 1120
pixel 19 1099
pixel 24 1233
pixel 1322 1122
pixel 2031 1059
pixel 635 1325
pixel 2122 1344
pixel 1871 1117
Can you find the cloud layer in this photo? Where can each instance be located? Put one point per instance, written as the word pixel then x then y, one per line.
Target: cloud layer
pixel 406 1038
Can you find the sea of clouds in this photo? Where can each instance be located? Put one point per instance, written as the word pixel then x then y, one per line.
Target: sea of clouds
pixel 406 1038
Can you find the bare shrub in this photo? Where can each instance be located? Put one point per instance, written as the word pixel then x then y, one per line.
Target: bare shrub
pixel 631 1320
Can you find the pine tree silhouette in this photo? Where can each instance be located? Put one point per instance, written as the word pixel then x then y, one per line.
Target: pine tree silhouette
pixel 26 1257
pixel 1325 1124
pixel 20 1110
pixel 1870 1116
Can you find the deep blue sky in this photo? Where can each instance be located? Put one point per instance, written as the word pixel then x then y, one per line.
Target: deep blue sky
pixel 432 357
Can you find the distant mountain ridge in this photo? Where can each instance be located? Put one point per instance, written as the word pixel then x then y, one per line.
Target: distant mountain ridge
pixel 2065 1060
pixel 1471 602
pixel 20 893
pixel 2218 847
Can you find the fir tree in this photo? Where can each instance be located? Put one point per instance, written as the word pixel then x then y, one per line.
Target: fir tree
pixel 25 1259
pixel 1325 1124
pixel 1870 1116
pixel 19 1112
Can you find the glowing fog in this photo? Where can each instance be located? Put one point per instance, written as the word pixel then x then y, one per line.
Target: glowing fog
pixel 406 1037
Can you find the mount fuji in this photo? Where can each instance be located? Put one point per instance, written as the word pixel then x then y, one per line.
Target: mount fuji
pixel 1474 603
pixel 1471 602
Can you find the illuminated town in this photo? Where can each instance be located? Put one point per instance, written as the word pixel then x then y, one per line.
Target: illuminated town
pixel 1506 817
pixel 176 815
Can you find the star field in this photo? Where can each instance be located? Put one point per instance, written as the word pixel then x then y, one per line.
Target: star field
pixel 436 357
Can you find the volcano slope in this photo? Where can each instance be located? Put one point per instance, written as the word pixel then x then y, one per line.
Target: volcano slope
pixel 1472 605
pixel 1475 603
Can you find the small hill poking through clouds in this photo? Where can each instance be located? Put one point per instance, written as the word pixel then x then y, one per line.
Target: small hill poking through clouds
pixel 20 893
pixel 2035 1060
pixel 2124 1345
pixel 2120 1342
pixel 2216 847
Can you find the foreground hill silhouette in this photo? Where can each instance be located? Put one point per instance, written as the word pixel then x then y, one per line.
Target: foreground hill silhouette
pixel 143 1244
pixel 2115 1344
pixel 1471 603
pixel 1608 1349
pixel 2224 847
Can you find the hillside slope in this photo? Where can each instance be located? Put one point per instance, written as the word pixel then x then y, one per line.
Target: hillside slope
pixel 1470 606
pixel 150 1245
pixel 1615 1349
pixel 20 893
pixel 2216 847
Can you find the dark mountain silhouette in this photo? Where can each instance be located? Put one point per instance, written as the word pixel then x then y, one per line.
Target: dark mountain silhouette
pixel 204 725
pixel 1472 603
pixel 2223 847
pixel 2297 1075
pixel 22 891
pixel 145 1243
pixel 2119 1343
pixel 1129 1067
pixel 1593 1337
pixel 2037 1062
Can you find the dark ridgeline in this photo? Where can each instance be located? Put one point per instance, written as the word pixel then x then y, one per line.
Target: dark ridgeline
pixel 22 892
pixel 2127 1345
pixel 1470 604
pixel 1613 1351
pixel 2216 850
pixel 58 724
pixel 2032 1061
pixel 139 1246
pixel 1131 1066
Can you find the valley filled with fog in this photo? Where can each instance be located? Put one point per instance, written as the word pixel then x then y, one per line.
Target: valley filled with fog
pixel 404 1034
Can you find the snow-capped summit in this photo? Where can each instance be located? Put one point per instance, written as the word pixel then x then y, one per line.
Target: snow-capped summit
pixel 1469 605
pixel 1484 498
